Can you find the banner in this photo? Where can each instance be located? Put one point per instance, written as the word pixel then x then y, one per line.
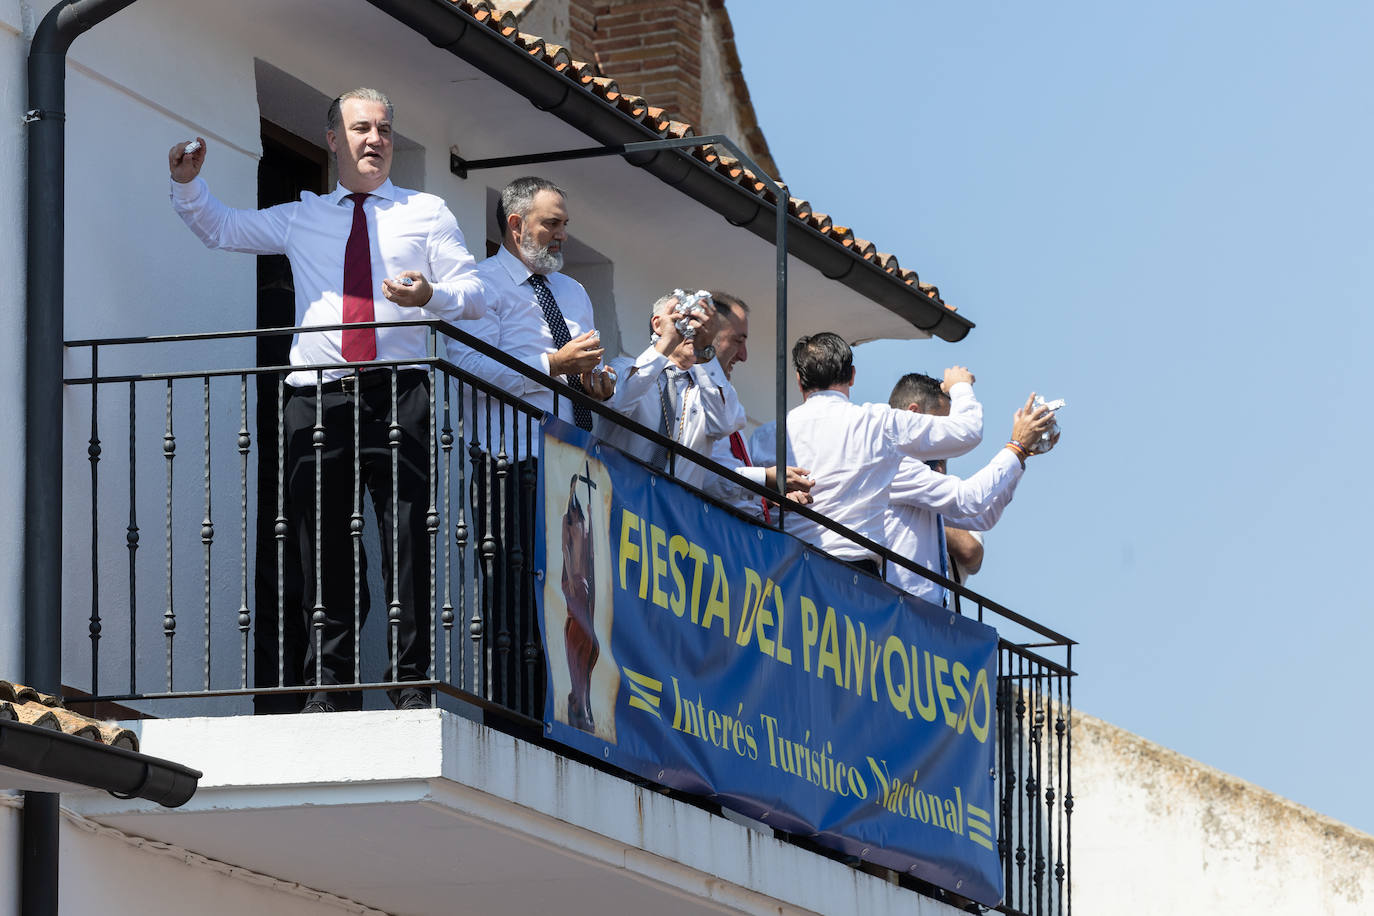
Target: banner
pixel 731 661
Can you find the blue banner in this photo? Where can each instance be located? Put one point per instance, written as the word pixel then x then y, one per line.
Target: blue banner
pixel 732 661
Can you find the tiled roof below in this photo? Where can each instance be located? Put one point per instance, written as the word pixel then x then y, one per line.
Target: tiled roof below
pixel 24 704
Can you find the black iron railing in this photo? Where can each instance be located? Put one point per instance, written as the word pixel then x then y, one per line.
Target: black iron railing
pixel 241 596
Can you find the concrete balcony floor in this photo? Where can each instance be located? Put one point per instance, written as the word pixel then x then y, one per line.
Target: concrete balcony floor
pixel 427 812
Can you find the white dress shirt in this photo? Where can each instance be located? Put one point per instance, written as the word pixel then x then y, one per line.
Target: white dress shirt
pixel 721 453
pixel 763 445
pixel 854 450
pixel 921 497
pixel 707 414
pixel 407 230
pixel 515 324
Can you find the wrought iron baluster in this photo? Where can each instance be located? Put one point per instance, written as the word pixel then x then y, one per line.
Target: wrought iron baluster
pixel 503 599
pixel 1018 722
pixel 317 615
pixel 355 526
pixel 169 617
pixel 1005 767
pixel 460 536
pixel 425 620
pixel 1060 726
pixel 93 453
pixel 207 526
pixel 245 444
pixel 1033 787
pixel 1068 781
pixel 394 608
pixel 446 446
pixel 279 529
pixel 524 536
pixel 131 541
pixel 481 610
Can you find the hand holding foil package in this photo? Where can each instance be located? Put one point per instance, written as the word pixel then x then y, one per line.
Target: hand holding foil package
pixel 1050 436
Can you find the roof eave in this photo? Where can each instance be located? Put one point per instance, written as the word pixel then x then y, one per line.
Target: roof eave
pixel 448 26
pixel 56 755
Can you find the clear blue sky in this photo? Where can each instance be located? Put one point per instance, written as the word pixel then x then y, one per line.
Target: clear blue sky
pixel 1163 213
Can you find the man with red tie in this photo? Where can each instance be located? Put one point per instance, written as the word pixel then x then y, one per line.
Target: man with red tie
pixel 368 251
pixel 731 344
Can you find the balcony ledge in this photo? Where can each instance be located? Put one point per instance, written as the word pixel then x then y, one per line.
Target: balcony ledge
pixel 428 812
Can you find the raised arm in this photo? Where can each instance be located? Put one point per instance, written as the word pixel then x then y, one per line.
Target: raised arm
pixel 955 498
pixel 920 435
pixel 215 224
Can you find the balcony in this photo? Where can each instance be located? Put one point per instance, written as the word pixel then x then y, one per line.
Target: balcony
pixel 190 620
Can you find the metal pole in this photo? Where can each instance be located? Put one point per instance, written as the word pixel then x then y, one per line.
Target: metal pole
pixel 42 514
pixel 780 451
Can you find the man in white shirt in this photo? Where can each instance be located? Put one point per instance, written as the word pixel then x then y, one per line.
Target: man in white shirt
pixel 667 388
pixel 731 345
pixel 368 251
pixel 922 498
pixel 539 316
pixel 853 450
pixel 544 319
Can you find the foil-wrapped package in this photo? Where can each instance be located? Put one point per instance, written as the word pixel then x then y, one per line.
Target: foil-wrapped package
pixel 1048 437
pixel 689 304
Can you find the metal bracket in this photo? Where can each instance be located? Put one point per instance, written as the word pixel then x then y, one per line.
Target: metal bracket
pixel 43 114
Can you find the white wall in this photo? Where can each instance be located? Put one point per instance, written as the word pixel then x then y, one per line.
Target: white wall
pixel 1156 832
pixel 9 856
pixel 13 150
pixel 105 871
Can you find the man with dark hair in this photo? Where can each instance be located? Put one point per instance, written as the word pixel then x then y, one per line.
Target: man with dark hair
pixel 854 450
pixel 922 496
pixel 731 346
pixel 543 318
pixel 367 251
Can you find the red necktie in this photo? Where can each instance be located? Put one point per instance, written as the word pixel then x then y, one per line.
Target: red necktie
pixel 737 449
pixel 359 345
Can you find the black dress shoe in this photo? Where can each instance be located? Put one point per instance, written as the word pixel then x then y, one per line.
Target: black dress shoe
pixel 412 698
pixel 318 706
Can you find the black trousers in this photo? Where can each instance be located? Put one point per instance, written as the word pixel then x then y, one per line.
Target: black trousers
pixel 504 517
pixel 403 508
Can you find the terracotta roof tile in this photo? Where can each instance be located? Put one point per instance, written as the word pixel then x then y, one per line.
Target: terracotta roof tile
pixel 504 18
pixel 531 43
pixel 24 704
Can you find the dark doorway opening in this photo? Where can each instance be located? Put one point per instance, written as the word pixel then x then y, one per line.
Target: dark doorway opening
pixel 289 165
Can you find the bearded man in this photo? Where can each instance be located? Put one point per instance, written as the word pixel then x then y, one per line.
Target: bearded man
pixel 542 318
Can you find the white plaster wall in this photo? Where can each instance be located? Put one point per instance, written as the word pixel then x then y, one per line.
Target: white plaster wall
pixel 1156 832
pixel 718 112
pixel 101 873
pixel 15 23
pixel 9 857
pixel 548 19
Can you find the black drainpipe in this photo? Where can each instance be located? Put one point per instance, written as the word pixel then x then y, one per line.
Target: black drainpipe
pixel 43 308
